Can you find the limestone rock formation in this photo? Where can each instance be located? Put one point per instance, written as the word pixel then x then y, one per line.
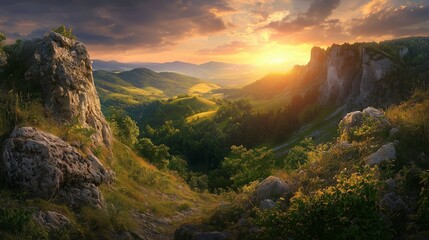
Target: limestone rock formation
pixel 386 152
pixel 194 232
pixel 354 74
pixel 64 70
pixel 356 119
pixel 47 167
pixel 271 188
pixel 51 220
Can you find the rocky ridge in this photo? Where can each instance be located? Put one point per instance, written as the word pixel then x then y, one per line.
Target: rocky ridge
pixel 63 68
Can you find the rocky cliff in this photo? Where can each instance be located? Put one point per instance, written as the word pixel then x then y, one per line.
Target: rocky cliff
pixel 355 74
pixel 61 66
pixel 45 166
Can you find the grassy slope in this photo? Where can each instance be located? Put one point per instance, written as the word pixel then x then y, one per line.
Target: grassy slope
pixel 143 200
pixel 142 84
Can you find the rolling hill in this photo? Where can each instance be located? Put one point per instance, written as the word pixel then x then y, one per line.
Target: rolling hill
pixel 141 84
pixel 219 73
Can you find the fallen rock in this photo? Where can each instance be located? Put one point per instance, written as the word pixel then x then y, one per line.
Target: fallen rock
pixel 393 133
pixel 354 120
pixel 390 184
pixel 386 152
pixel 47 167
pixel 64 70
pixel 267 204
pixel 271 188
pixel 392 202
pixel 51 220
pixel 194 232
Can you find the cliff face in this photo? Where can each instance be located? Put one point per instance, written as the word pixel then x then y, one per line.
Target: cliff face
pixel 64 71
pixel 355 75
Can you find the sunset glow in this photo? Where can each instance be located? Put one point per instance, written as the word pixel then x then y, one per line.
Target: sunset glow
pixel 260 32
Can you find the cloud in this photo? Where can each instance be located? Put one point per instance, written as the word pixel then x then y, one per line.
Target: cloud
pixel 227 49
pixel 119 24
pixel 316 14
pixel 382 18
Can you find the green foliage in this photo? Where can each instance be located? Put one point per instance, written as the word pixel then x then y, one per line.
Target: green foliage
pixel 9 105
pixel 422 214
pixel 64 31
pixel 156 154
pixel 198 181
pixel 298 155
pixel 123 126
pixel 80 134
pixel 2 38
pixel 347 210
pixel 179 165
pixel 245 166
pixel 18 222
pixel 370 128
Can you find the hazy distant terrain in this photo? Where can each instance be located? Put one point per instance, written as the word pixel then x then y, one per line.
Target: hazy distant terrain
pixel 225 74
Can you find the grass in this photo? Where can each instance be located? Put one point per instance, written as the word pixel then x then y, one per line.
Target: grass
pixel 139 187
pixel 203 88
pixel 203 115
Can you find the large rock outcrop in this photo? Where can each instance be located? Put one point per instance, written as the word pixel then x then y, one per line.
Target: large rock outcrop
pixel 355 74
pixel 47 167
pixel 354 120
pixel 64 70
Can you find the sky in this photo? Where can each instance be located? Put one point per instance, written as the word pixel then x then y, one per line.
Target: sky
pixel 259 32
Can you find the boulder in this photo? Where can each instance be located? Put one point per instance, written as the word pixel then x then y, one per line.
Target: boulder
pixel 64 71
pixel 390 184
pixel 47 167
pixel 267 204
pixel 393 133
pixel 194 232
pixel 354 120
pixel 51 220
pixel 271 188
pixel 386 152
pixel 392 202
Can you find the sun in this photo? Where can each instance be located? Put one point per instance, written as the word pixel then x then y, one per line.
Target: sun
pixel 277 54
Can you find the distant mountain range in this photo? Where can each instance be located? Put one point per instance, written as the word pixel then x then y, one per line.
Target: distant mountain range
pixel 224 74
pixel 142 84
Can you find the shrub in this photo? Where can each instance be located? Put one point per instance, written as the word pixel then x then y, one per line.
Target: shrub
pixel 245 166
pixel 298 155
pixel 64 31
pixel 347 210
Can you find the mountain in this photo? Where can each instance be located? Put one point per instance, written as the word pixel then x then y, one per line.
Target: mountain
pixel 358 75
pixel 225 74
pixel 142 84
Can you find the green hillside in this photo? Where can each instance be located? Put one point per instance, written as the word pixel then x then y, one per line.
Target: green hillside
pixel 142 85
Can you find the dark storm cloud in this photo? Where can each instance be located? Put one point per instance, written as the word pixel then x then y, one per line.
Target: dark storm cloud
pixel 395 21
pixel 316 14
pixel 147 23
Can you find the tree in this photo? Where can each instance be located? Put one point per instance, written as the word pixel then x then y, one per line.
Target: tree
pixel 64 31
pixel 245 166
pixel 123 126
pixel 156 154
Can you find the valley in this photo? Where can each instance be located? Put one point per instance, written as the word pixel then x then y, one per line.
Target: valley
pixel 333 149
